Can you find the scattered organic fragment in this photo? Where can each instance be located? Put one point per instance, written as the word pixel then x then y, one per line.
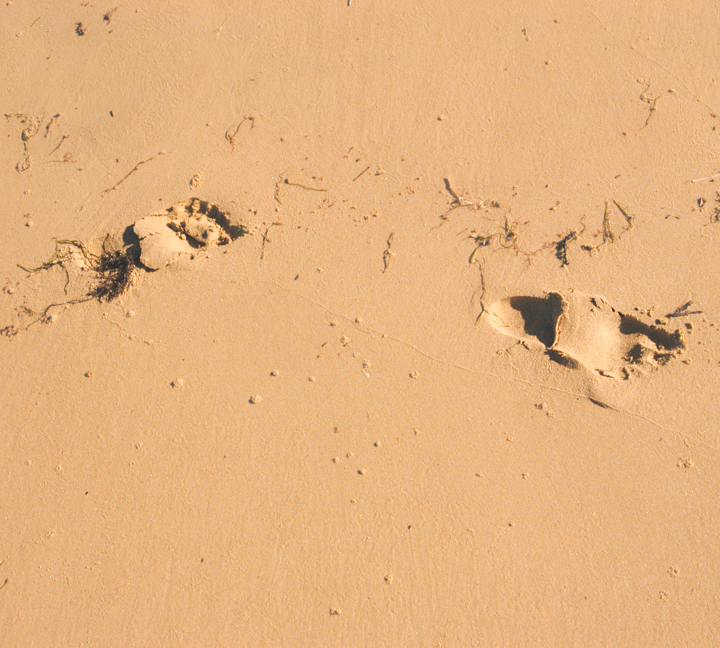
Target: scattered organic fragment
pixel 231 137
pixel 459 201
pixel 682 311
pixel 135 168
pixel 388 253
pixel 561 246
pixel 115 272
pixel 286 182
pixel 650 101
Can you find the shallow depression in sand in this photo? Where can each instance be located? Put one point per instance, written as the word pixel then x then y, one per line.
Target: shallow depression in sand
pixel 580 330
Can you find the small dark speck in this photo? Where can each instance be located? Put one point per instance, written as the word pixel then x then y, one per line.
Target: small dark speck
pixel 202 560
pixel 111 114
pixel 297 277
pixel 79 29
pixel 86 492
pixel 599 403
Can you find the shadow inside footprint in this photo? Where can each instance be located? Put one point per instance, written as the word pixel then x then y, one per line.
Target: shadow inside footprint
pixel 535 315
pixel 582 330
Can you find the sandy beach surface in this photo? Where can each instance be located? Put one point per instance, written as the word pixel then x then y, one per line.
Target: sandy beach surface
pixel 357 323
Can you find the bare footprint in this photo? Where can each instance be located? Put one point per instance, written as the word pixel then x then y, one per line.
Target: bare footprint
pixel 582 331
pixel 107 267
pixel 184 228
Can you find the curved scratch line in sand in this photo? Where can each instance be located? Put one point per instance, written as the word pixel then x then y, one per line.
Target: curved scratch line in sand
pixel 363 328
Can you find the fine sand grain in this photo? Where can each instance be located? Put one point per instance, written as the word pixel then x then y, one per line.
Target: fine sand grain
pixel 359 324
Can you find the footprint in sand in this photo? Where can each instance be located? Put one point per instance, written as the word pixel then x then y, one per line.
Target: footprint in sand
pixel 579 330
pixel 106 268
pixel 184 228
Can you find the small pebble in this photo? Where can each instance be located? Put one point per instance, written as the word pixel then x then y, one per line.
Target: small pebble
pixel 256 398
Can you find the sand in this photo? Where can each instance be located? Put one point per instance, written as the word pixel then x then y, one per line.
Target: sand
pixel 452 381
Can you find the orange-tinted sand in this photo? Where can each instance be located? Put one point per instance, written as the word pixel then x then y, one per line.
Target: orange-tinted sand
pixel 367 421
